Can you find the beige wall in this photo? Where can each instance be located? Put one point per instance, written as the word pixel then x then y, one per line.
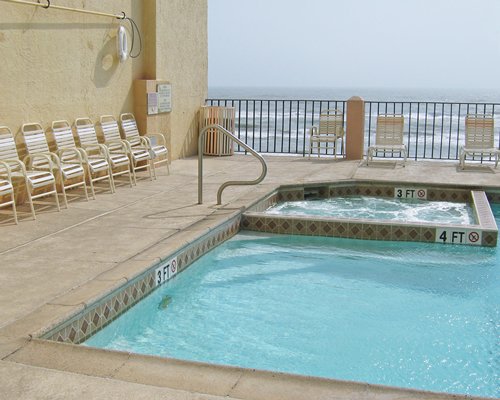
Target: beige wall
pixel 62 65
pixel 182 59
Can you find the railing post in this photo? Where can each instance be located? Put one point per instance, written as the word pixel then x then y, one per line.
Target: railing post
pixel 355 132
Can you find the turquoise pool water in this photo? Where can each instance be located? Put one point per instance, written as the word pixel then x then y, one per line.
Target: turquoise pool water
pixel 412 315
pixel 366 207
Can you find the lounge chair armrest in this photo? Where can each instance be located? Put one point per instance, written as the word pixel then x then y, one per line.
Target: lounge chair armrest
pixel 158 136
pixel 15 165
pixel 51 159
pixel 313 130
pixel 90 151
pixel 127 145
pixel 113 145
pixel 145 141
pixel 5 166
pixel 72 152
pixel 98 147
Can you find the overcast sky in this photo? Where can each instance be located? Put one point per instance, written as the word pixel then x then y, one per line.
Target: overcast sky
pixel 355 43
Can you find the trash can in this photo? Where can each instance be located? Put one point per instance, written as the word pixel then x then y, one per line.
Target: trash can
pixel 216 143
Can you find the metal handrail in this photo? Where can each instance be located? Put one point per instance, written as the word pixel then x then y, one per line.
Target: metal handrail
pixel 228 183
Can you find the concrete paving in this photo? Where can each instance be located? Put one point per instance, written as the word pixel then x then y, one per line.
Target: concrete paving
pixel 56 265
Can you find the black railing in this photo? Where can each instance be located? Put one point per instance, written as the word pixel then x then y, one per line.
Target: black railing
pixel 277 126
pixel 434 130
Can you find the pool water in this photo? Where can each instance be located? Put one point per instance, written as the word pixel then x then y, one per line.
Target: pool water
pixel 414 315
pixel 366 207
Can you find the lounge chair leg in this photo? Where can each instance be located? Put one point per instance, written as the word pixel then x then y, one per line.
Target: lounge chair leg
pixel 57 198
pixel 111 181
pixel 134 175
pixel 91 182
pixel 131 177
pixel 85 187
pixel 30 200
pixel 152 170
pixel 168 166
pixel 14 211
pixel 92 190
pixel 64 195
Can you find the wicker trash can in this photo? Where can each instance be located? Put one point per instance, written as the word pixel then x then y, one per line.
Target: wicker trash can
pixel 217 144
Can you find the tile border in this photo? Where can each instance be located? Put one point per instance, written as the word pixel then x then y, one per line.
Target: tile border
pixel 97 315
pixel 256 220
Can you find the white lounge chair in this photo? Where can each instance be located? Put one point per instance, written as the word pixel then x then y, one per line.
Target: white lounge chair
pixel 329 130
pixel 479 139
pixel 96 163
pixel 117 157
pixel 33 180
pixel 158 150
pixel 388 137
pixel 40 158
pixel 138 154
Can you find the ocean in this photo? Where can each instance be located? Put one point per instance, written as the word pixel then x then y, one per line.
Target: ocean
pixel 369 94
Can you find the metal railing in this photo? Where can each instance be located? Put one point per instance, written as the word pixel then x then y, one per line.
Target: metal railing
pixel 201 145
pixel 433 130
pixel 277 126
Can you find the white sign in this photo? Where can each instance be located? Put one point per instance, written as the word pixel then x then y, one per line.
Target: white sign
pixel 166 271
pixel 410 193
pixel 164 97
pixel 152 103
pixel 458 236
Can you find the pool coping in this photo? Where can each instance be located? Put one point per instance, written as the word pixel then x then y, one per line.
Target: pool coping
pixel 193 249
pixel 211 379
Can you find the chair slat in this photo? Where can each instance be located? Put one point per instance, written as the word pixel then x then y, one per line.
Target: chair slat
pixel 86 134
pixel 479 132
pixel 8 148
pixel 110 130
pixel 63 136
pixel 389 130
pixel 36 141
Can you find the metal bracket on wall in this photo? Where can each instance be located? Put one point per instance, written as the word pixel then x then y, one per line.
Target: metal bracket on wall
pixel 78 10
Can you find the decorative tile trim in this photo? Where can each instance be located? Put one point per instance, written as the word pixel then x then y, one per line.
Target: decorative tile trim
pixel 291 195
pixel 265 203
pixel 451 195
pixel 356 229
pixel 366 229
pixel 99 314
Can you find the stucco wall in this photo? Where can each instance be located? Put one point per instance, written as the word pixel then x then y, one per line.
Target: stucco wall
pixel 182 58
pixel 62 65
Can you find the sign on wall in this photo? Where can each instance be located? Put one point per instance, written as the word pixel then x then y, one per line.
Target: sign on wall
pixel 164 97
pixel 161 100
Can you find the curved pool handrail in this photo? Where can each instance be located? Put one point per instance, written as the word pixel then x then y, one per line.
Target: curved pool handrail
pixel 228 183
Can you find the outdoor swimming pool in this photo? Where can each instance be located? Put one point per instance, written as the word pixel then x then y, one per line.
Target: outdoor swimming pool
pixel 369 207
pixel 413 315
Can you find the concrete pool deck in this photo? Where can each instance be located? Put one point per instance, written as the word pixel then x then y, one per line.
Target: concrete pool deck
pixel 63 261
